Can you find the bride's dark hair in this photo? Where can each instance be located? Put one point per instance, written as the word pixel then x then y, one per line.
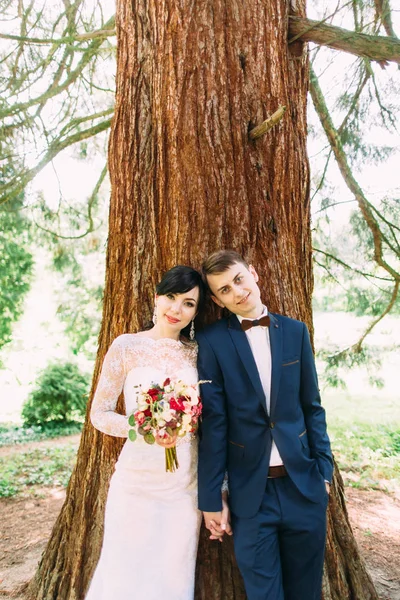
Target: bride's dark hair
pixel 179 280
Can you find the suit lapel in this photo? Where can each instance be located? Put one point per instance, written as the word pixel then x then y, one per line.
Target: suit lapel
pixel 241 342
pixel 276 340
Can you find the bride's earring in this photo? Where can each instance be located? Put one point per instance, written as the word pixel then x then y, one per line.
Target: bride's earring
pixel 191 334
pixel 155 313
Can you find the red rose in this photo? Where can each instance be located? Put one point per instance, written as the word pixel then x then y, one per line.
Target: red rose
pixel 176 404
pixel 166 382
pixel 153 393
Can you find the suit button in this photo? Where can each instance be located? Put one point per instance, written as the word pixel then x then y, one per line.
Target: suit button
pixel 272 425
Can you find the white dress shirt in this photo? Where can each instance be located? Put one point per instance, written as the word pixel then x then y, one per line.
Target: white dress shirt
pixel 261 348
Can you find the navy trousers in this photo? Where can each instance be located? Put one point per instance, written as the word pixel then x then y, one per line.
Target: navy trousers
pixel 280 551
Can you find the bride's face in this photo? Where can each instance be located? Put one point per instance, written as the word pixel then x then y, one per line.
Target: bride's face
pixel 175 311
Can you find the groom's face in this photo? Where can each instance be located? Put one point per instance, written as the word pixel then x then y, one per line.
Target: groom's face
pixel 236 289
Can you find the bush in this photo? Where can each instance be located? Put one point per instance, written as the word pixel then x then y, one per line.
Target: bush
pixel 59 396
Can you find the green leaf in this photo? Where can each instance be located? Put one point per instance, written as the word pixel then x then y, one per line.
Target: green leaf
pixel 132 421
pixel 149 438
pixel 132 435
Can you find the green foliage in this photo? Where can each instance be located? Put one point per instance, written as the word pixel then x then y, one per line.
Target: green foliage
pixel 11 434
pixel 368 456
pixel 16 266
pixel 368 301
pixel 81 265
pixel 353 296
pixel 40 467
pixel 81 313
pixel 59 396
pixel 337 361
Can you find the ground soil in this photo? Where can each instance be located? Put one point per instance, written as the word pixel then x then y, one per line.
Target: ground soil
pixel 375 517
pixel 26 524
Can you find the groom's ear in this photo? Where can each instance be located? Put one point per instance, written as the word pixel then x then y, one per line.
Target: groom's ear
pixel 218 302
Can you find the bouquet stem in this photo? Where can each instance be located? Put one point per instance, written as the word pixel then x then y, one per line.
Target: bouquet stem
pixel 171 460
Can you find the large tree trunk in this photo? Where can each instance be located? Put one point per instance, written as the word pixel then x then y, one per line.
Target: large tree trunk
pixel 193 78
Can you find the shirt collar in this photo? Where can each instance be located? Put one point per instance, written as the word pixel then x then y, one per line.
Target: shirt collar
pixel 263 314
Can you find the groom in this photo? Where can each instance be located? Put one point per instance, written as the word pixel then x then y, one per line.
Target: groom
pixel 263 423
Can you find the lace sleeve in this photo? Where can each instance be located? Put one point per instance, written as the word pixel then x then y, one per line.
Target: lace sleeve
pixel 109 387
pixel 225 483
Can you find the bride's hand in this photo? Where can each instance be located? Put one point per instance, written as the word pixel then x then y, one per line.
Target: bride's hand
pixel 168 441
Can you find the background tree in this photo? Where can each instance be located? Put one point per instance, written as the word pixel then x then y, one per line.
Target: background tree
pixel 56 83
pixel 16 265
pixel 70 46
pixel 193 80
pixel 363 252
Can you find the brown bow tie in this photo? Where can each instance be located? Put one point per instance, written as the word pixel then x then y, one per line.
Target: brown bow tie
pixel 247 324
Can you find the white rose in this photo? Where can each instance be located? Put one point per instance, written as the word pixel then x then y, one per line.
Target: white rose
pixel 167 415
pixel 193 395
pixel 179 388
pixel 186 420
pixel 142 404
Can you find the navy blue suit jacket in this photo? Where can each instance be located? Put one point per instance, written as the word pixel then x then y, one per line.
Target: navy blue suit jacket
pixel 237 430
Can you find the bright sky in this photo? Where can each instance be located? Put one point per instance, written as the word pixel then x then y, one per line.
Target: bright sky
pixel 76 178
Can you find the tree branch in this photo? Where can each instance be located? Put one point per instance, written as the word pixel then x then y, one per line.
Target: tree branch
pixel 356 348
pixel 54 90
pixel 92 199
pixel 13 188
pixel 79 120
pixel 349 267
pixel 352 184
pixel 384 13
pixel 79 37
pixel 375 47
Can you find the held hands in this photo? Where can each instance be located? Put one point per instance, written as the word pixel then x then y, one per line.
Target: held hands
pixel 218 523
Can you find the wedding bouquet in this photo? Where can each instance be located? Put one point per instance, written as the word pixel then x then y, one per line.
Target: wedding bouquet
pixel 172 408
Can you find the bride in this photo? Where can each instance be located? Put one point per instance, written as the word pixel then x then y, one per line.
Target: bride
pixel 151 519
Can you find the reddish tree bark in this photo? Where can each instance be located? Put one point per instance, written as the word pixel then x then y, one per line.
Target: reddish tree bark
pixel 192 79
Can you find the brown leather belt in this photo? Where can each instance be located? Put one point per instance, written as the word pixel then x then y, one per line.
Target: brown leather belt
pixel 279 471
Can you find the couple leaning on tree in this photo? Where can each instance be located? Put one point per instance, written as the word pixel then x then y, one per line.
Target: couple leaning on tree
pixel 262 428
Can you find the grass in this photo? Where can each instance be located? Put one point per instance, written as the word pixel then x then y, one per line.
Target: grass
pixel 364 431
pixel 376 407
pixel 15 434
pixel 25 472
pixel 368 456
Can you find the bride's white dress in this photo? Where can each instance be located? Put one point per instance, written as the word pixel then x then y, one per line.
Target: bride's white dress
pixel 151 520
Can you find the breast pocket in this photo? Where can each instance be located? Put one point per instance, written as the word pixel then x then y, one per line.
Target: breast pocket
pixel 290 375
pixel 291 362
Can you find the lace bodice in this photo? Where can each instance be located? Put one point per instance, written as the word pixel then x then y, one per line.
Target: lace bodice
pixel 132 360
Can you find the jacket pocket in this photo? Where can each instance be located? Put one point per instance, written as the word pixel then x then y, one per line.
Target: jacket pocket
pixel 304 443
pixel 292 362
pixel 235 453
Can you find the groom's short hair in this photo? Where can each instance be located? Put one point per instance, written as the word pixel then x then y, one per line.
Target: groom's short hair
pixel 220 261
